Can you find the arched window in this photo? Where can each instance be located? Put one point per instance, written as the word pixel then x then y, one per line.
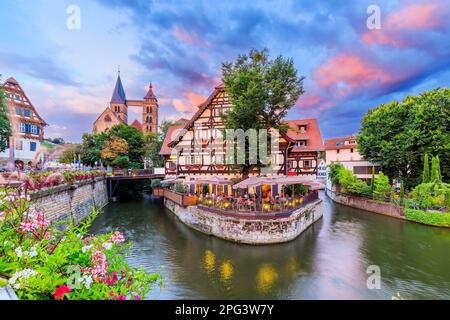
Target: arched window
pixel 151 120
pixel 108 118
pixel 146 119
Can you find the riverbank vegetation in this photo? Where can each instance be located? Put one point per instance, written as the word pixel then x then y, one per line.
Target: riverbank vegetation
pixel 41 262
pixel 428 202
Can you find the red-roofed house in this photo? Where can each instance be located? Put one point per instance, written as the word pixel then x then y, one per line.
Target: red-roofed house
pixel 304 152
pixel 25 144
pixel 345 151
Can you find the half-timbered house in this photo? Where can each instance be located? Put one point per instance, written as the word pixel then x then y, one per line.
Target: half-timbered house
pixel 27 127
pixel 196 149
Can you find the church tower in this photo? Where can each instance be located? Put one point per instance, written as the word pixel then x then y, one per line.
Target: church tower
pixel 118 102
pixel 150 112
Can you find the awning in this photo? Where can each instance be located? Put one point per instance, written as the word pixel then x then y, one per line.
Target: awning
pixel 258 181
pixel 172 181
pixel 212 180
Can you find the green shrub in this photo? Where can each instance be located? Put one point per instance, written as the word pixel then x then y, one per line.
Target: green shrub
pixel 440 219
pixel 351 184
pixel 335 169
pixel 181 188
pixel 381 186
pixel 432 195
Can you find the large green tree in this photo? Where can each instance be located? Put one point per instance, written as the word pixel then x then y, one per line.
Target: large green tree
pixel 262 92
pixel 135 140
pixel 398 134
pixel 5 125
pixel 91 147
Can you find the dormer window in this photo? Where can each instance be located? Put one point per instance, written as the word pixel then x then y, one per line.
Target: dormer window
pixel 302 127
pixel 301 143
pixel 340 143
pixel 352 142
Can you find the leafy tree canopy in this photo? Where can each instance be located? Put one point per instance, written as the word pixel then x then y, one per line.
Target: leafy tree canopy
pixel 133 137
pixel 261 90
pixel 399 134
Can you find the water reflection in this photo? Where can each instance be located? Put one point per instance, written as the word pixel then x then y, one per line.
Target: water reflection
pixel 265 278
pixel 226 271
pixel 209 261
pixel 329 260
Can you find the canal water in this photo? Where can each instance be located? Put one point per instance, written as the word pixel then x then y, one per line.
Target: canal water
pixel 330 260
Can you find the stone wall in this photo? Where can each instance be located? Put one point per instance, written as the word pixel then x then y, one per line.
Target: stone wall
pixel 71 202
pixel 384 208
pixel 250 231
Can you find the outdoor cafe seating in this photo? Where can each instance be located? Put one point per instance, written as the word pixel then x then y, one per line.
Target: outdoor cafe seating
pixel 255 194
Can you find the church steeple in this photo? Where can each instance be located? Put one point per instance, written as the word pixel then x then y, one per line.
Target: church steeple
pixel 118 95
pixel 150 94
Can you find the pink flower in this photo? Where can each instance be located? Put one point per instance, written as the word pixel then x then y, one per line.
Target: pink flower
pixel 60 291
pixel 137 297
pixel 111 295
pixel 113 279
pixel 117 237
pixel 98 256
pixel 1 215
pixel 40 220
pixel 35 221
pixel 27 225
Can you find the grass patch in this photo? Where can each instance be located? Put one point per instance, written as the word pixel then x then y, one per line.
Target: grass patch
pixel 439 219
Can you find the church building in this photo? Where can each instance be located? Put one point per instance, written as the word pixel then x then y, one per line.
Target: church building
pixel 117 111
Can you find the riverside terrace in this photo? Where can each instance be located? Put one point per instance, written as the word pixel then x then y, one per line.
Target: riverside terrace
pixel 253 197
pixel 251 211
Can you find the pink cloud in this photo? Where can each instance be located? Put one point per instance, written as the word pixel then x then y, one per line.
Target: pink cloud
pixel 399 23
pixel 189 103
pixel 415 17
pixel 188 37
pixel 344 74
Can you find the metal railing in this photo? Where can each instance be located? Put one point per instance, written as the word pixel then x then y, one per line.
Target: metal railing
pixel 132 172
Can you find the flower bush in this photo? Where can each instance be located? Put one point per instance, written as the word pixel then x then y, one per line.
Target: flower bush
pixel 41 262
pixel 45 179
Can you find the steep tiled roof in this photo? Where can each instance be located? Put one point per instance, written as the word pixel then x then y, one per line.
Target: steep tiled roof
pixel 339 143
pixel 137 125
pixel 108 111
pixel 12 83
pixel 172 133
pixel 11 80
pixel 119 93
pixel 311 135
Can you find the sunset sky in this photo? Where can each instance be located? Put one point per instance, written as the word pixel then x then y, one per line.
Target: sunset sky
pixel 69 75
